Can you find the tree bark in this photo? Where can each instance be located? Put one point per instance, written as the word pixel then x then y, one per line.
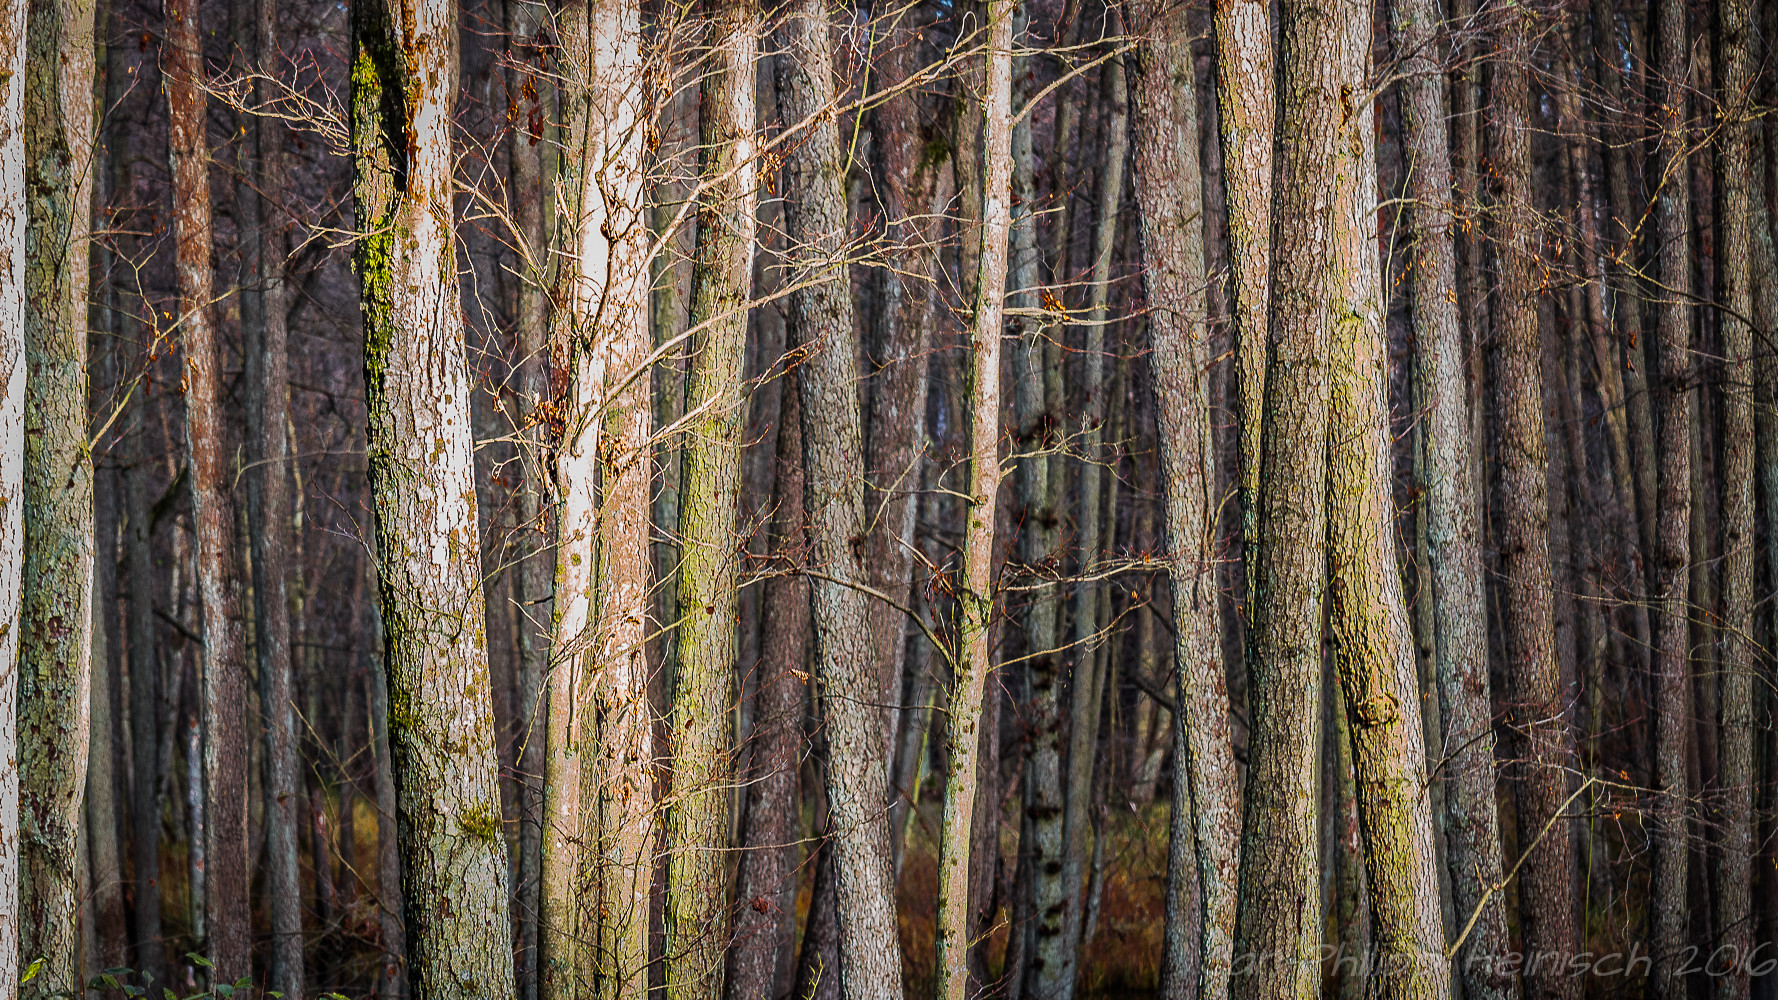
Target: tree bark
pixel 1737 772
pixel 147 793
pixel 55 626
pixel 1449 498
pixel 1546 894
pixel 264 306
pixel 697 833
pixel 1671 592
pixel 766 882
pixel 972 657
pixel 823 333
pixel 1205 819
pixel 1373 644
pixel 599 804
pixel 422 488
pixel 14 45
pixel 1247 105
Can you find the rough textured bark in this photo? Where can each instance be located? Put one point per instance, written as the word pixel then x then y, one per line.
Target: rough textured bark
pixel 766 881
pixel 441 726
pixel 971 660
pixel 1737 775
pixel 599 804
pixel 224 675
pixel 1670 590
pixel 1546 894
pixel 823 332
pixel 55 618
pixel 13 282
pixel 1322 48
pixel 1450 501
pixel 1247 106
pixel 1205 819
pixel 265 302
pixel 1373 644
pixel 697 832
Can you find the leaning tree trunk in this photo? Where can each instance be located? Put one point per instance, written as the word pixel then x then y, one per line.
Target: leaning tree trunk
pixel 1205 820
pixel 1280 876
pixel 1671 591
pixel 598 795
pixel 422 469
pixel 265 302
pixel 1246 103
pixel 224 679
pixel 824 335
pixel 1546 893
pixel 1373 645
pixel 697 834
pixel 55 618
pixel 971 658
pixel 12 452
pixel 1453 529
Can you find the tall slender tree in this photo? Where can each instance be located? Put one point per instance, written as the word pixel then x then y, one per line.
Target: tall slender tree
pixel 55 625
pixel 1205 818
pixel 1448 494
pixel 971 659
pixel 1671 590
pixel 441 726
pixel 1528 619
pixel 823 332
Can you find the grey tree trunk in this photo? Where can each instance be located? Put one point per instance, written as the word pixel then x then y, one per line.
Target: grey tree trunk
pixel 1453 523
pixel 264 306
pixel 1205 819
pixel 55 617
pixel 823 332
pixel 441 726
pixel 13 295
pixel 972 656
pixel 147 792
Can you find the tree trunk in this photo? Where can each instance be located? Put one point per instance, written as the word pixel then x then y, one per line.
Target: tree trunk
pixel 1671 583
pixel 423 493
pixel 1205 819
pixel 13 295
pixel 55 625
pixel 391 971
pixel 1546 894
pixel 766 882
pixel 1246 105
pixel 1084 699
pixel 972 658
pixel 104 865
pixel 599 805
pixel 822 331
pixel 1737 773
pixel 264 305
pixel 1449 497
pixel 147 790
pixel 1373 644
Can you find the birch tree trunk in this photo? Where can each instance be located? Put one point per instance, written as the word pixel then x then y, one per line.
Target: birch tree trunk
pixel 697 835
pixel 224 675
pixel 1671 591
pixel 1546 893
pixel 55 626
pixel 1373 644
pixel 1205 820
pixel 264 306
pixel 599 805
pixel 441 726
pixel 14 212
pixel 1449 497
pixel 971 660
pixel 822 330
